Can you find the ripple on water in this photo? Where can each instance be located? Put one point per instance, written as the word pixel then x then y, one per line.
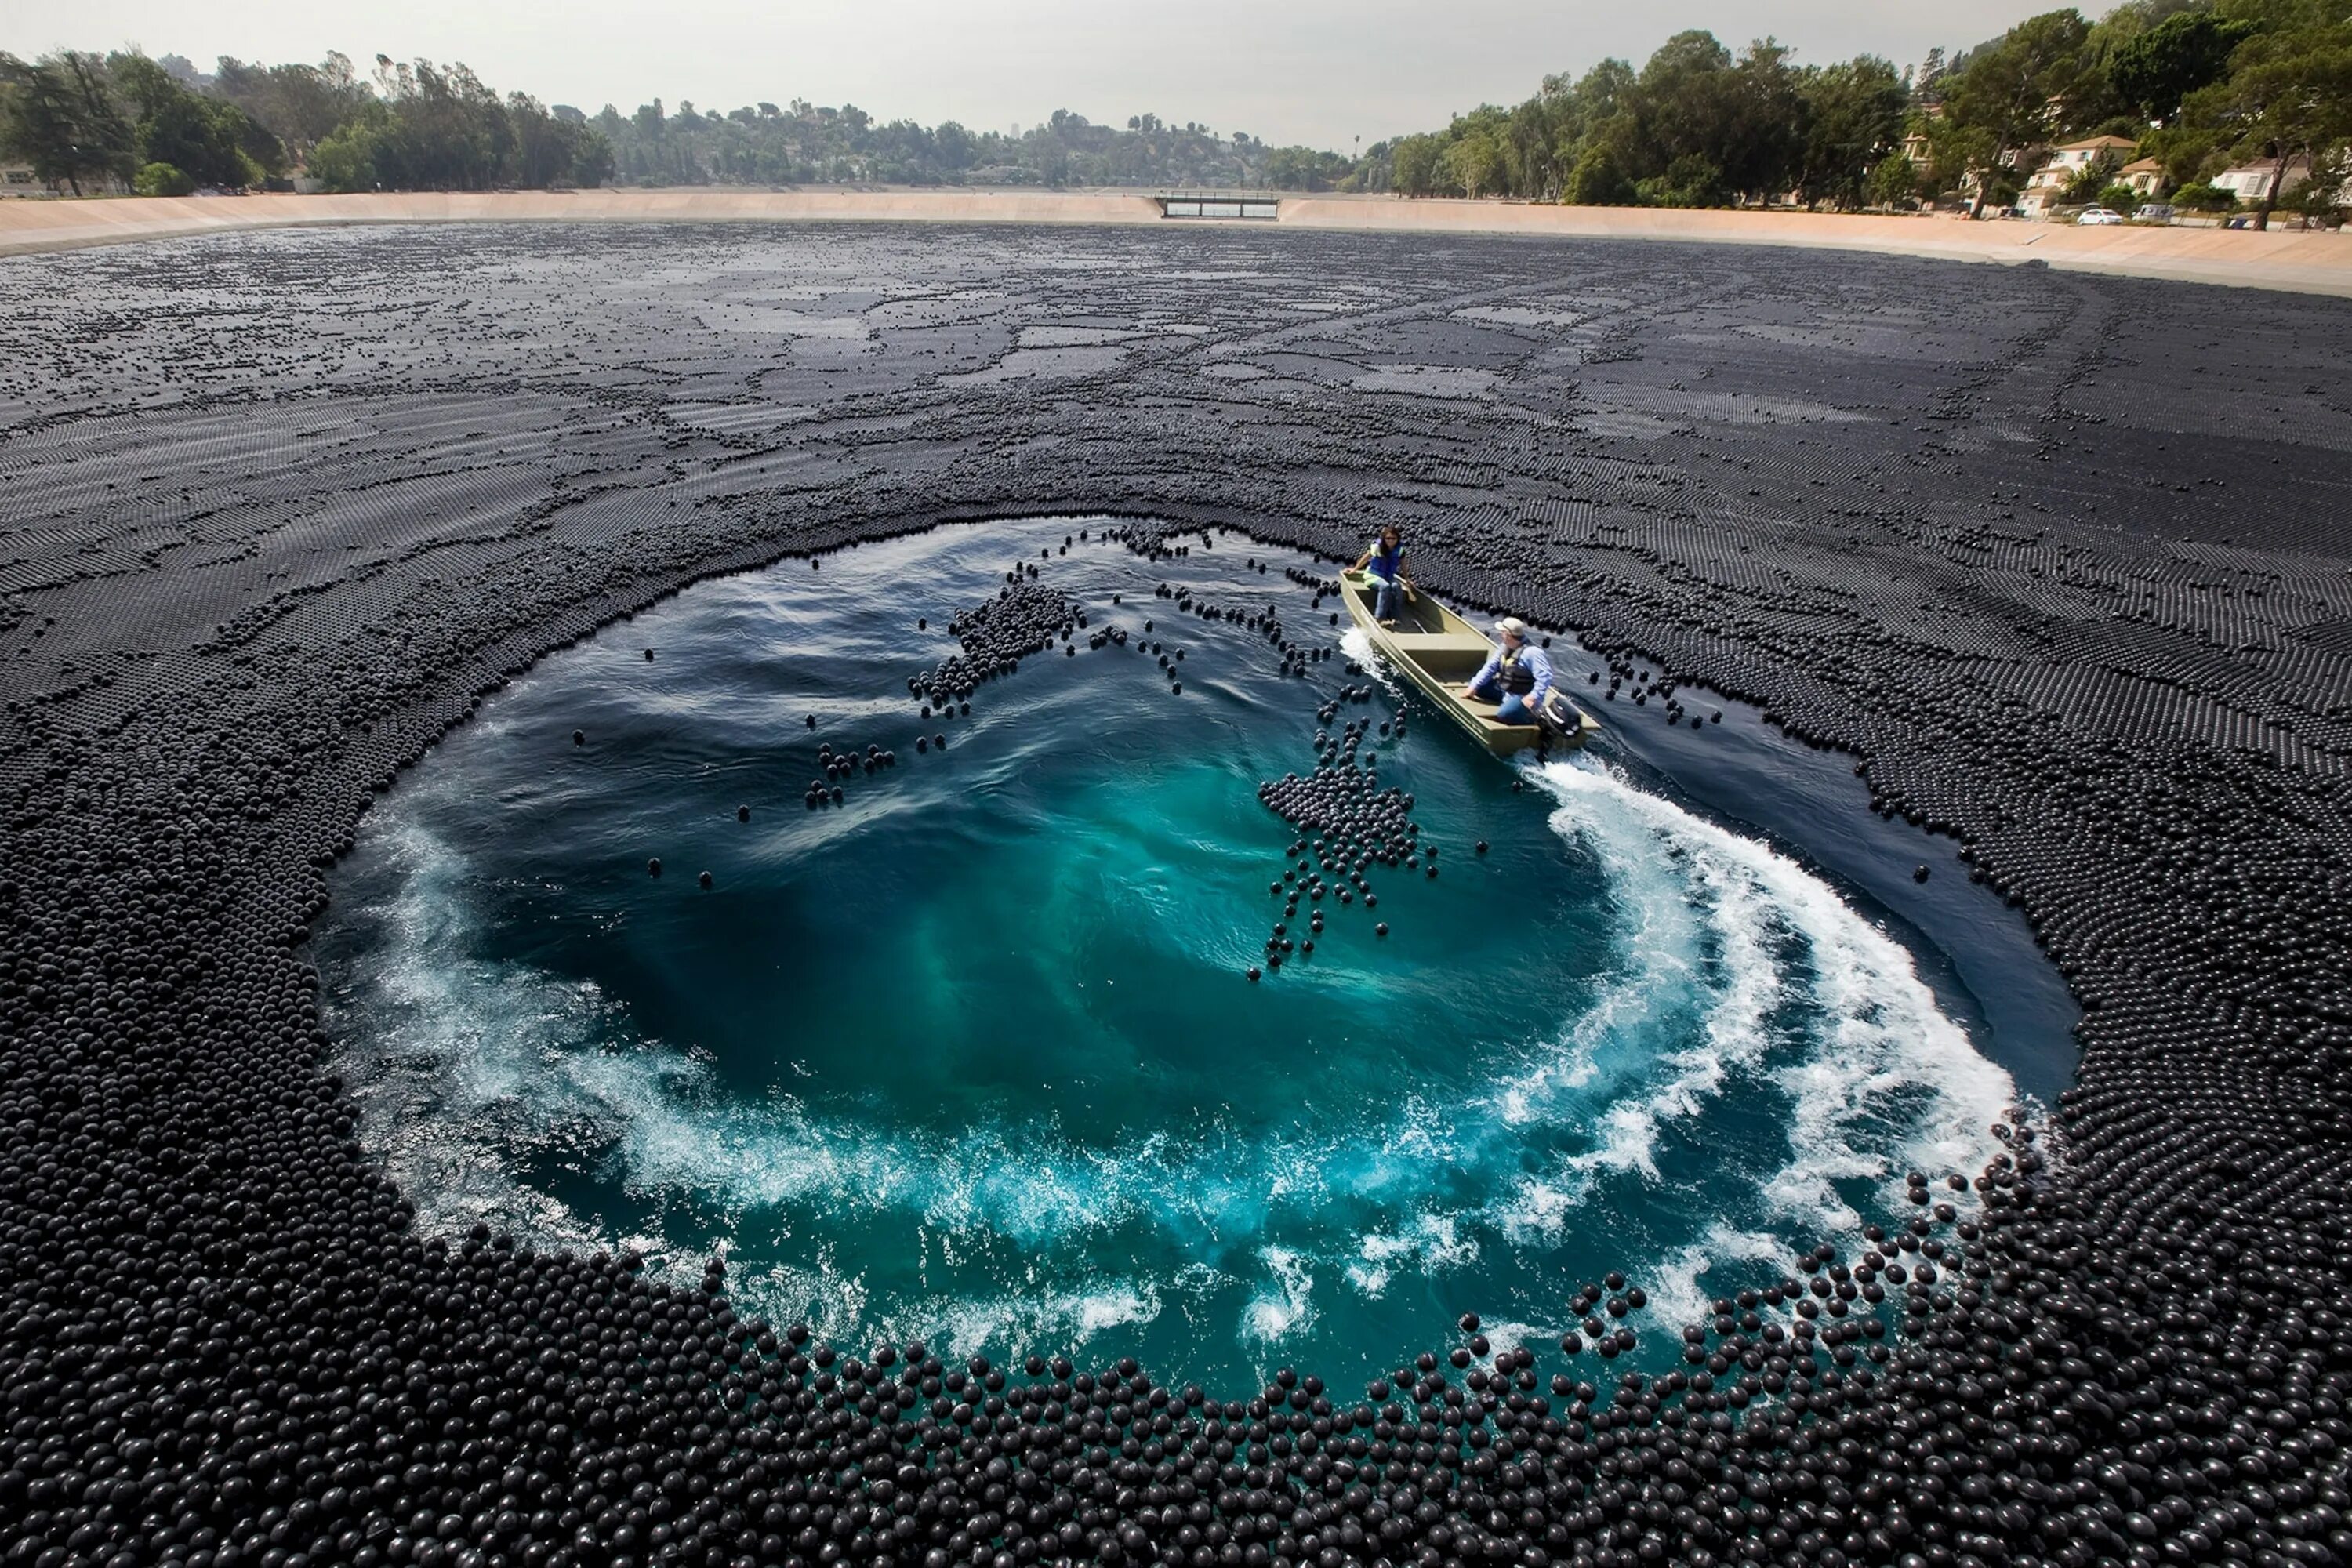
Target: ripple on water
pixel 971 1057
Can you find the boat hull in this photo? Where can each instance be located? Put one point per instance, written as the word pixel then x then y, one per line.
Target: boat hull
pixel 1438 651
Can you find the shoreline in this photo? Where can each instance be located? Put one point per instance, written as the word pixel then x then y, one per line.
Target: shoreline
pixel 2310 262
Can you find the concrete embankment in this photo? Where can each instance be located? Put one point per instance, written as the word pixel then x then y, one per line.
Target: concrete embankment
pixel 2305 262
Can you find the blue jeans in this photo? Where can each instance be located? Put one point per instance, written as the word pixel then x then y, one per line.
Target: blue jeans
pixel 1513 710
pixel 1384 605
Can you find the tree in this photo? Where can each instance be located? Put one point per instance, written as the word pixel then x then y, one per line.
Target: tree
pixel 2091 179
pixel 1894 181
pixel 1692 180
pixel 446 130
pixel 162 180
pixel 2188 51
pixel 1600 179
pixel 2118 197
pixel 1853 117
pixel 1302 169
pixel 1931 72
pixel 210 139
pixel 344 161
pixel 1474 163
pixel 955 145
pixel 59 115
pixel 2198 196
pixel 2288 96
pixel 1960 154
pixel 1682 109
pixel 299 104
pixel 592 159
pixel 2015 91
pixel 2321 195
pixel 1416 162
pixel 1763 148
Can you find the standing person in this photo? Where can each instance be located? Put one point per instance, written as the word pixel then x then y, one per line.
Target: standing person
pixel 1385 560
pixel 1516 675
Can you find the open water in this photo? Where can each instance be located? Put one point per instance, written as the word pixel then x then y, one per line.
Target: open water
pixel 971 1055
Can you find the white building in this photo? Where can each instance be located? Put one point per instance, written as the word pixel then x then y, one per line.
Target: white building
pixel 2250 183
pixel 2064 164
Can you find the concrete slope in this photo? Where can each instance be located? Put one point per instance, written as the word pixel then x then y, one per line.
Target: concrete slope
pixel 2304 262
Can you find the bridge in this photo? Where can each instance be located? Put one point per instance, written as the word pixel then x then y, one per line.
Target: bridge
pixel 1255 206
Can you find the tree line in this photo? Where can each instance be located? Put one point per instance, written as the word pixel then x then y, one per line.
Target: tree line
pixel 800 143
pixel 160 127
pixel 85 121
pixel 2196 85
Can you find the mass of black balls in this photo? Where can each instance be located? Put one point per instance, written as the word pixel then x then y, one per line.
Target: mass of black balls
pixel 1349 826
pixel 1026 618
pixel 2055 558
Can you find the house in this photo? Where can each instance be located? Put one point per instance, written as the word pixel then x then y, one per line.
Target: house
pixel 21 179
pixel 2250 183
pixel 2062 166
pixel 2146 176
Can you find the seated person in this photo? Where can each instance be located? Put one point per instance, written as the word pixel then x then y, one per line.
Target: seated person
pixel 1385 560
pixel 1516 675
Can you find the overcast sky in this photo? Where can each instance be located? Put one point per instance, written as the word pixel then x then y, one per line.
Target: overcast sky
pixel 1318 71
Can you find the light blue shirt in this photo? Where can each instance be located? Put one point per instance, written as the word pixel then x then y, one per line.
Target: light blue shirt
pixel 1539 663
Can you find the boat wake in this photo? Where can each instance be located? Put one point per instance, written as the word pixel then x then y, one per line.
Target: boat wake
pixel 1759 1065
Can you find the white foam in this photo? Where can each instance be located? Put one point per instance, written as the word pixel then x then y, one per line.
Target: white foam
pixel 1733 973
pixel 1357 644
pixel 1886 1073
pixel 1679 1298
pixel 1273 1314
pixel 1510 1334
pixel 1431 1240
pixel 1065 1318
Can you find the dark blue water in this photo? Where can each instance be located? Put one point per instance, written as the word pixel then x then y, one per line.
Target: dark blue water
pixel 972 1055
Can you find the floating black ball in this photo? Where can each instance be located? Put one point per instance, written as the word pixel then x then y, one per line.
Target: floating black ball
pixel 236 1345
pixel 704 880
pixel 653 867
pixel 579 737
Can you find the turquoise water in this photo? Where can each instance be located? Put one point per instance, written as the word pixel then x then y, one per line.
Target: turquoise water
pixel 973 1055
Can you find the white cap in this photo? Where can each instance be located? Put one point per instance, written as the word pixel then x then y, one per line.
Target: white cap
pixel 1512 626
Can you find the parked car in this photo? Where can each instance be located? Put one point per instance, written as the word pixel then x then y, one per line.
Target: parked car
pixel 2155 212
pixel 2099 216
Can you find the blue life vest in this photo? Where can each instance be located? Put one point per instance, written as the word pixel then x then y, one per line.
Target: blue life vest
pixel 1385 562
